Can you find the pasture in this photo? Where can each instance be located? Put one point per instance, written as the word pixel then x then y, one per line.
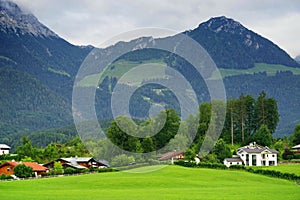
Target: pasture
pixel 171 182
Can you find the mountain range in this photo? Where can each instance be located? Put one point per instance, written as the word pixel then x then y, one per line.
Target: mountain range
pixel 38 69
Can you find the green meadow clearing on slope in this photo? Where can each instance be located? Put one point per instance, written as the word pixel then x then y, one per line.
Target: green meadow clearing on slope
pixel 171 182
pixel 120 67
pixel 270 69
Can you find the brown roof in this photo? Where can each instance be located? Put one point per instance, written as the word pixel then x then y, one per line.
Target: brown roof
pixel 170 154
pixel 233 159
pixel 35 166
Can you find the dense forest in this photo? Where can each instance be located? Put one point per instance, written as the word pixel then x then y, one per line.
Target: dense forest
pixel 248 119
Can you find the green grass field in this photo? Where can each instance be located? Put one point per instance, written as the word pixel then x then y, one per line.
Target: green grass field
pixel 172 182
pixel 286 168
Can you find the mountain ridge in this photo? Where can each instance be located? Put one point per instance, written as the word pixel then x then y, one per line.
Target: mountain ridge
pixel 46 62
pixel 233 46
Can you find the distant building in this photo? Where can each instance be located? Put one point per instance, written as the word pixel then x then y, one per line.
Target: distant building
pixel 253 155
pixel 7 168
pixel 79 163
pixel 296 149
pixel 4 149
pixel 172 155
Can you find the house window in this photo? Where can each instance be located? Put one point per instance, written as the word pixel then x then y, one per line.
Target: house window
pixel 273 155
pixel 230 163
pixel 242 154
pixel 254 160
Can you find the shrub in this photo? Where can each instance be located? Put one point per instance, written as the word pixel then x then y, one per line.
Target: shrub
pixel 2 177
pixel 287 154
pixel 212 165
pixel 9 177
pixel 297 156
pixel 5 177
pixel 185 163
pixel 58 168
pixel 23 171
pixel 100 170
pixel 69 170
pixel 153 162
pixel 122 160
pixel 92 169
pixel 239 167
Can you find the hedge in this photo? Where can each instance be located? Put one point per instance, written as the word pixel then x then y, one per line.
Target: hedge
pixel 5 177
pixel 266 172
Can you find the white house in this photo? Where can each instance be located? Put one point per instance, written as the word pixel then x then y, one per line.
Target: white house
pixel 4 149
pixel 253 155
pixel 235 160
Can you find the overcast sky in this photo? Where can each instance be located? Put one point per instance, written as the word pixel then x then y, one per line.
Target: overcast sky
pixel 84 22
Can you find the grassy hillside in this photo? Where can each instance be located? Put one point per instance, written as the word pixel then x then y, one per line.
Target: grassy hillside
pixel 120 67
pixel 286 168
pixel 172 182
pixel 270 69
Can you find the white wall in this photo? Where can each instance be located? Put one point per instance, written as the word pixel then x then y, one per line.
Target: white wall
pixel 2 151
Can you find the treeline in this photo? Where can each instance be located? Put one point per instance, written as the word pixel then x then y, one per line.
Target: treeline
pixel 27 105
pixel 27 152
pixel 247 120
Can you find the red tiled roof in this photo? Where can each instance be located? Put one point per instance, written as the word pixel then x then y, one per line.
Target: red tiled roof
pixel 35 166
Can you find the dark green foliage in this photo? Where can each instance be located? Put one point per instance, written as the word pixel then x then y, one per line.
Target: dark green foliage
pixel 276 174
pixel 185 163
pixel 239 167
pixel 5 177
pixel 52 152
pixel 221 150
pixel 244 115
pixel 27 105
pixel 295 137
pixel 23 171
pixel 266 112
pixel 101 170
pixel 282 87
pixel 262 136
pixel 212 165
pixel 69 170
pixel 127 142
pixel 287 154
pixel 189 155
pixel 147 145
pixel 201 164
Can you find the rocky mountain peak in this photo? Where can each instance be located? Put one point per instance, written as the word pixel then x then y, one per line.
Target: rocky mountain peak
pixel 223 24
pixel 16 20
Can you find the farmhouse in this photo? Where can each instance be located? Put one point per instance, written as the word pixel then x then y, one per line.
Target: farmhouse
pixel 296 149
pixel 253 155
pixel 172 155
pixel 4 149
pixel 7 168
pixel 79 163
